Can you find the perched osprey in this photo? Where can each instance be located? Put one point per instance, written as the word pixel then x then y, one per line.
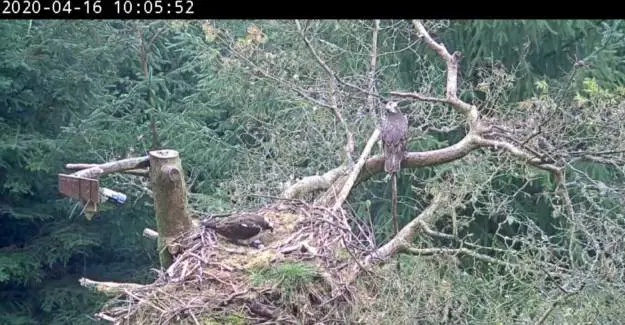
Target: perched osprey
pixel 393 135
pixel 393 132
pixel 241 227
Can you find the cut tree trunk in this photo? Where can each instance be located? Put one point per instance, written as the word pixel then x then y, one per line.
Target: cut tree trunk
pixel 170 201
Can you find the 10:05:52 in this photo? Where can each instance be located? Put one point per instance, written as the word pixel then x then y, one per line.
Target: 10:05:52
pixel 156 7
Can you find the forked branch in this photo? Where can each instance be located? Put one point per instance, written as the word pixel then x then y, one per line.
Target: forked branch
pixel 401 242
pixel 350 181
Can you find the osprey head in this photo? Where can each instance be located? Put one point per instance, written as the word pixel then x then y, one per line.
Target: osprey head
pixel 256 220
pixel 266 225
pixel 391 107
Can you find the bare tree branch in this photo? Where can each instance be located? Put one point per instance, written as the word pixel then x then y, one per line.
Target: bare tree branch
pixel 97 170
pixel 418 96
pixel 401 242
pixel 372 67
pixel 136 172
pixel 313 183
pixel 452 75
pixel 349 183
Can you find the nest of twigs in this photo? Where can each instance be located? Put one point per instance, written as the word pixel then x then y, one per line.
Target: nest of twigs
pixel 298 277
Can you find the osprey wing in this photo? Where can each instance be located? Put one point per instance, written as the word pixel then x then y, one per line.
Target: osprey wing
pixel 393 136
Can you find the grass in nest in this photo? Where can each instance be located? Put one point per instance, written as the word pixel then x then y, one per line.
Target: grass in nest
pixel 289 276
pixel 233 319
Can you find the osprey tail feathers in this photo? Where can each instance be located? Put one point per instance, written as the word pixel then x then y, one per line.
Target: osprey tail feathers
pixel 393 158
pixel 392 164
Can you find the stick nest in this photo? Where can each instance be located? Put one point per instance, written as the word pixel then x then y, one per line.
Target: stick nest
pixel 299 277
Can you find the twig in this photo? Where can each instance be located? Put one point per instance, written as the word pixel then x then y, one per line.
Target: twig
pixel 566 294
pixel 298 90
pixel 325 66
pixel 276 197
pixel 110 288
pixel 349 144
pixel 426 229
pixel 462 250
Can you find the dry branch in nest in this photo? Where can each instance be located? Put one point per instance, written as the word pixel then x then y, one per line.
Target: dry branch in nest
pixel 298 277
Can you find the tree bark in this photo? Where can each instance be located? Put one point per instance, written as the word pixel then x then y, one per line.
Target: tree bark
pixel 170 201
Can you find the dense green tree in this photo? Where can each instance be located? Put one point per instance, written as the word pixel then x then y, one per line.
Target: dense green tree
pixel 53 74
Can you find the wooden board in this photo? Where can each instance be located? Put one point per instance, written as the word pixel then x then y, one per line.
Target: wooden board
pixel 85 189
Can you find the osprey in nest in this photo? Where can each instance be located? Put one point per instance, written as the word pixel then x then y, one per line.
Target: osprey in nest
pixel 242 227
